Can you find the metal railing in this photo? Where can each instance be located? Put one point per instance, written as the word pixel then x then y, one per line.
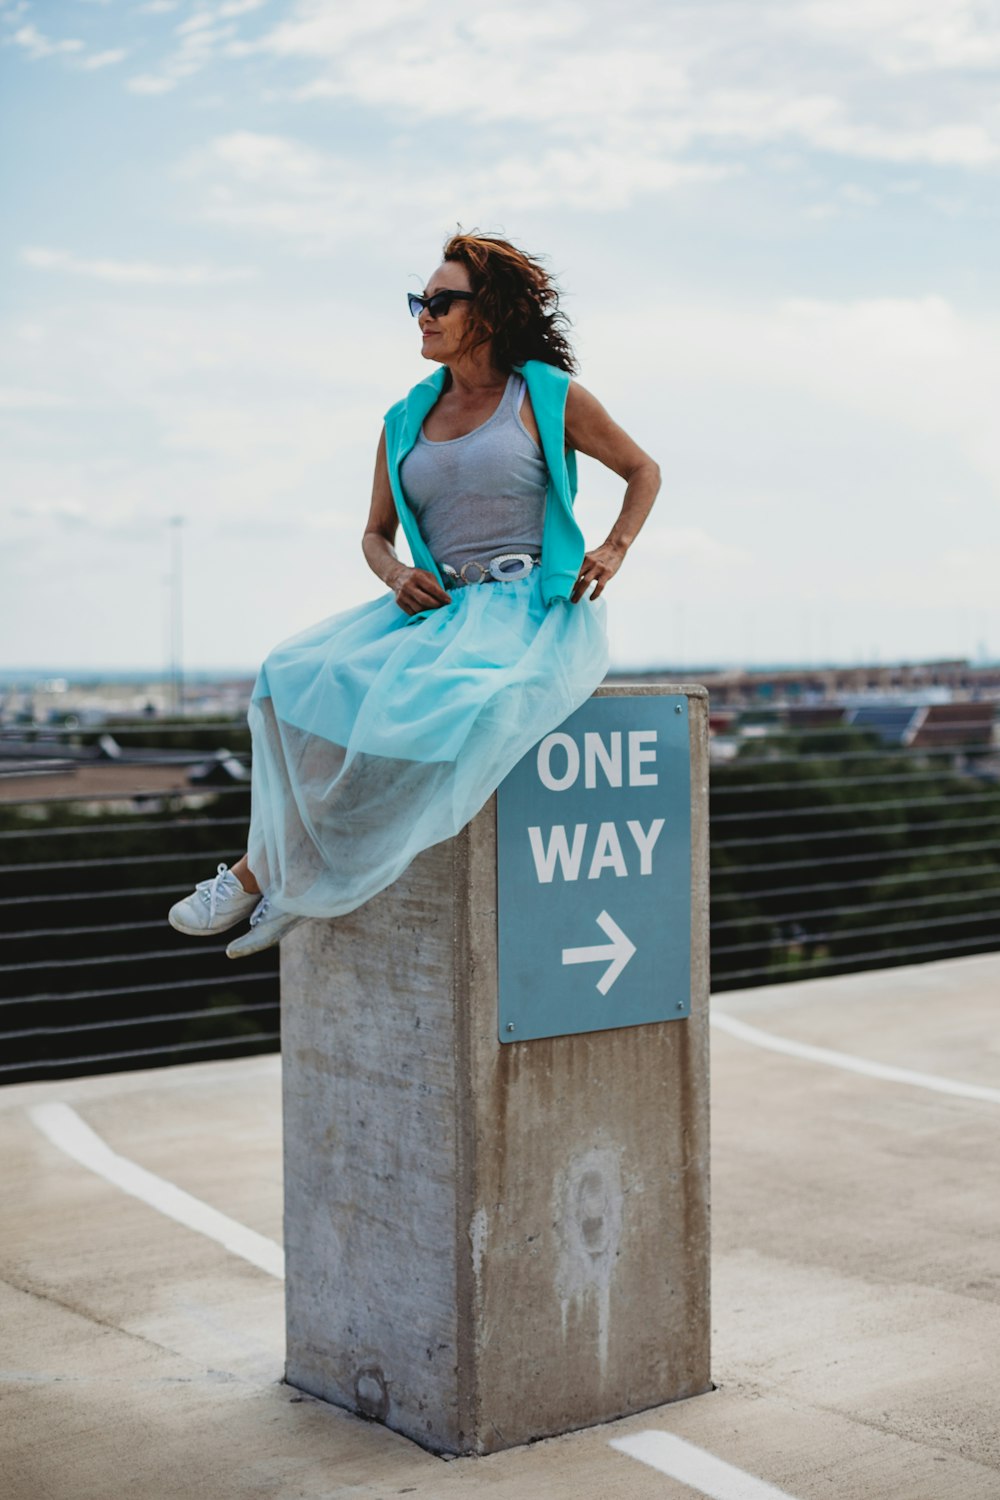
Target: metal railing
pixel 834 852
pixel 831 853
pixel 92 977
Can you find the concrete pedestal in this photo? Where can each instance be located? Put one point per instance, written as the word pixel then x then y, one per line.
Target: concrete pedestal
pixel 488 1243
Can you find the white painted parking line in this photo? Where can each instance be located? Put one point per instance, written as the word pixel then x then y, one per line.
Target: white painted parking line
pixel 694 1467
pixel 65 1129
pixel 852 1064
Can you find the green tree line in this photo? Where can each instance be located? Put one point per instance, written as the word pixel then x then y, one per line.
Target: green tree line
pixel 832 853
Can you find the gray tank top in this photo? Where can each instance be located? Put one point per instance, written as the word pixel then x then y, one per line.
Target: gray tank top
pixel 481 494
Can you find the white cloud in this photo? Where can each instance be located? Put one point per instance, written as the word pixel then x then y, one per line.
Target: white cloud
pixel 133 273
pixel 253 157
pixel 13 398
pixel 265 418
pixel 743 118
pixel 318 29
pixel 492 25
pixel 239 7
pixel 314 200
pixel 947 144
pixel 589 177
pixel 37 45
pixel 904 36
pixel 197 50
pixel 235 432
pixel 104 59
pixel 200 21
pixel 824 460
pixel 65 511
pixel 866 82
pixel 245 417
pixel 694 547
pixel 150 83
pixel 585 89
pixel 280 186
pixel 564 75
pixel 917 366
pixel 201 39
pixel 671 79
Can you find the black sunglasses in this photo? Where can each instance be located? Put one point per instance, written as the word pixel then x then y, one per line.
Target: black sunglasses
pixel 438 304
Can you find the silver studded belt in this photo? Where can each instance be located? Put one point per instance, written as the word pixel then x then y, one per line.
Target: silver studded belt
pixel 506 567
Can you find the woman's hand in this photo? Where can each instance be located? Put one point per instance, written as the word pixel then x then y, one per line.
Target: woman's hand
pixel 417 590
pixel 601 565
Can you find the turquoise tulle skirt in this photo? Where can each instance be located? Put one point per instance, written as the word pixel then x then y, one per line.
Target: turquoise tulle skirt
pixel 377 734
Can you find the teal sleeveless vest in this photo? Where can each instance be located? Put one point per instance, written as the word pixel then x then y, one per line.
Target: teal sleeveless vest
pixel 562 540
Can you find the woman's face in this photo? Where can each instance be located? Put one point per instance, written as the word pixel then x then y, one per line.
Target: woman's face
pixel 442 336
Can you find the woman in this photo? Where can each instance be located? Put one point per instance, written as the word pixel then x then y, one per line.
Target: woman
pixel 383 730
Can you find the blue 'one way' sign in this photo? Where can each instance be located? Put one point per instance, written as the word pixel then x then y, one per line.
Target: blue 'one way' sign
pixel 594 872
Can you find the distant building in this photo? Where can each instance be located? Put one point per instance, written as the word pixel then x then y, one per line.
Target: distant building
pixel 743 687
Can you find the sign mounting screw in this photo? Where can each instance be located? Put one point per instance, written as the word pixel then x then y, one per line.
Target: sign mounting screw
pixel 510 1025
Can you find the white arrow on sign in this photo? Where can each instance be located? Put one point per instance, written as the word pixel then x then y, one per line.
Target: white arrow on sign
pixel 619 951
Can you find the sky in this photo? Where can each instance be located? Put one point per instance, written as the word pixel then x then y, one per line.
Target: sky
pixel 776 230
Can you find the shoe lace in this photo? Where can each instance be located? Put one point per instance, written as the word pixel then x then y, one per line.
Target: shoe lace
pixel 215 890
pixel 260 911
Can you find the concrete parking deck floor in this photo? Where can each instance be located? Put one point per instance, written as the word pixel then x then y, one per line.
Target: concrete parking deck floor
pixel 857 1281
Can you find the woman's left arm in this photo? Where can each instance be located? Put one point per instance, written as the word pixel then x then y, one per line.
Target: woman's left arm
pixel 591 430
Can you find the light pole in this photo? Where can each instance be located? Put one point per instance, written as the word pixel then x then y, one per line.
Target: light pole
pixel 176 612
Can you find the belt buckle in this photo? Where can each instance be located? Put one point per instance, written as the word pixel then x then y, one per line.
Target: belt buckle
pixel 507 566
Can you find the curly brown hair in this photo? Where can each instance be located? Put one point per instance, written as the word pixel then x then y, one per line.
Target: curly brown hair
pixel 517 303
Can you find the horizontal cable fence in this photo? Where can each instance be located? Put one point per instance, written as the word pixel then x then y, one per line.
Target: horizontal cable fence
pixel 154 728
pixel 835 849
pixel 92 977
pixel 832 852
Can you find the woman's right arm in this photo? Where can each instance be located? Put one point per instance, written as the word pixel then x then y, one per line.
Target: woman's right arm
pixel 415 589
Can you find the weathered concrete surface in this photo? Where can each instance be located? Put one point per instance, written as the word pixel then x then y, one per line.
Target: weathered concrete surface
pixel 856 1293
pixel 894 1252
pixel 488 1243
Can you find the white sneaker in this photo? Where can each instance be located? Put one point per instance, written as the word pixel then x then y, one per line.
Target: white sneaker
pixel 268 925
pixel 213 905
